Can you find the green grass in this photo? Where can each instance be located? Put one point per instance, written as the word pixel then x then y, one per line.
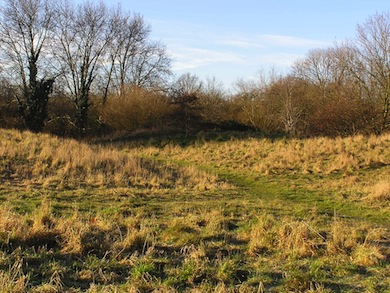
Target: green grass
pixel 212 221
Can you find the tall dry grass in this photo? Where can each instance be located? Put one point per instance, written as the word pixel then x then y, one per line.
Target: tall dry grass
pixel 265 156
pixel 188 245
pixel 293 238
pixel 14 280
pixel 192 249
pixel 30 159
pixel 379 192
pixel 355 167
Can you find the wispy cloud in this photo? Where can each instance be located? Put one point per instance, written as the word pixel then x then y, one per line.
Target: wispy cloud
pixel 279 59
pixel 209 51
pixel 290 41
pixel 267 40
pixel 186 58
pixel 239 42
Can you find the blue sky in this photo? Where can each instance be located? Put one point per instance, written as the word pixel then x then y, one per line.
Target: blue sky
pixel 230 40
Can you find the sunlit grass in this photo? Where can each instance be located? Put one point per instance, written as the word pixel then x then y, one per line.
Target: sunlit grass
pixel 204 216
pixel 356 167
pixel 280 156
pixel 190 251
pixel 38 159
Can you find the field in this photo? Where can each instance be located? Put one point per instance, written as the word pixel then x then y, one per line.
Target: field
pixel 208 213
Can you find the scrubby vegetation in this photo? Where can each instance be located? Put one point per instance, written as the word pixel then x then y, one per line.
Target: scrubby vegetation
pixel 194 214
pixel 176 184
pixel 95 72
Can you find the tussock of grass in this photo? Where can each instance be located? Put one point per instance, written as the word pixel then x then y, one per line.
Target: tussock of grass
pixel 380 192
pixel 367 255
pixel 138 254
pixel 40 159
pixel 126 218
pixel 264 156
pixel 14 280
pixel 296 238
pixel 299 239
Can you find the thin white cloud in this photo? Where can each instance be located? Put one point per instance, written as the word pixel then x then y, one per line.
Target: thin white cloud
pixel 290 41
pixel 186 58
pixel 244 43
pixel 279 59
pixel 267 40
pixel 227 54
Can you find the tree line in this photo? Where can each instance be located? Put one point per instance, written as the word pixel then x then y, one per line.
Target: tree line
pixel 88 69
pixel 77 50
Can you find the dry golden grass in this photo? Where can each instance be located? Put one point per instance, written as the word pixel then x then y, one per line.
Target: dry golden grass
pixel 140 244
pixel 296 239
pixel 11 224
pixel 299 239
pixel 190 240
pixel 289 237
pixel 352 167
pixel 38 159
pixel 13 281
pixel 262 235
pixel 380 192
pixel 367 255
pixel 280 156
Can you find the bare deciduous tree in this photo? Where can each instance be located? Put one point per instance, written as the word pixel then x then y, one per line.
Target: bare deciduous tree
pixel 323 68
pixel 184 94
pixel 371 63
pixel 287 96
pixel 83 35
pixel 213 101
pixel 255 106
pixel 25 29
pixel 134 60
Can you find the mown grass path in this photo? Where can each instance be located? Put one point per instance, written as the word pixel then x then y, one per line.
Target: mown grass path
pixel 287 194
pixel 237 215
pixel 293 195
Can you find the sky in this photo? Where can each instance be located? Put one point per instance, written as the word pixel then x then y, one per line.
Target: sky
pixel 239 39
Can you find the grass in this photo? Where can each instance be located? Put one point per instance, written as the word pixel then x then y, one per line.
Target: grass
pixel 204 214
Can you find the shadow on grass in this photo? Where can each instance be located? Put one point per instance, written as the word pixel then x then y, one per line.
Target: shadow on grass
pixel 160 139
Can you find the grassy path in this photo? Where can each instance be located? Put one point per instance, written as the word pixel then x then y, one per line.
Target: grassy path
pixel 288 194
pixel 293 195
pixel 232 216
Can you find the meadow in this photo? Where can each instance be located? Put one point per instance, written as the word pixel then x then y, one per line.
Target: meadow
pixel 213 212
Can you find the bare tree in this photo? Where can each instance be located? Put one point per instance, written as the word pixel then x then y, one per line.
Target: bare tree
pixel 287 95
pixel 370 63
pixel 134 60
pixel 151 66
pixel 187 84
pixel 83 35
pixel 251 95
pixel 25 29
pixel 323 68
pixel 184 94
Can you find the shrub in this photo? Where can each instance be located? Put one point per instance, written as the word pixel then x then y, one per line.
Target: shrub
pixel 136 109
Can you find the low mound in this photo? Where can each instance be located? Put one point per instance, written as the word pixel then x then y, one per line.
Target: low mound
pixel 41 159
pixel 290 156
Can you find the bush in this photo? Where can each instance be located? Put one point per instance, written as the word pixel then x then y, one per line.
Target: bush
pixel 136 109
pixel 9 114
